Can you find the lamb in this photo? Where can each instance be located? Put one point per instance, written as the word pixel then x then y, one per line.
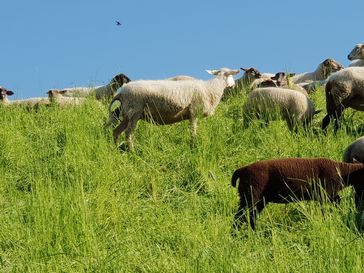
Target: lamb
pixel 323 70
pixel 56 96
pixel 293 106
pixel 355 151
pixel 343 89
pixel 357 56
pixel 101 92
pixel 292 179
pixel 167 102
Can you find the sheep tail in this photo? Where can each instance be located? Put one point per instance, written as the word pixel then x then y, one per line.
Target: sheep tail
pixel 112 102
pixel 235 177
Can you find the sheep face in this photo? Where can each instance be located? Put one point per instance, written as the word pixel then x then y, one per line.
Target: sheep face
pixel 226 74
pixel 251 73
pixel 357 52
pixel 4 93
pixel 120 79
pixel 330 66
pixel 55 93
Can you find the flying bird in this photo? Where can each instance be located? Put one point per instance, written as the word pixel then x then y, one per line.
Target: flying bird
pixel 118 23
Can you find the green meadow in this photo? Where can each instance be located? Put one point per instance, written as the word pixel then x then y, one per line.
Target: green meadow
pixel 71 201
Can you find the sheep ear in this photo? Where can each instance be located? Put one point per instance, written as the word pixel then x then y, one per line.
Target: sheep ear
pixel 9 93
pixel 244 69
pixel 63 91
pixel 212 72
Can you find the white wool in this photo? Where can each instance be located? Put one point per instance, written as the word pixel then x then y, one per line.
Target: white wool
pixel 169 101
pixel 181 78
pixel 357 62
pixel 293 105
pixel 31 102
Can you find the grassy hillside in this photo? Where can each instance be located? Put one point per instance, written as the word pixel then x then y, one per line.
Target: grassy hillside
pixel 71 202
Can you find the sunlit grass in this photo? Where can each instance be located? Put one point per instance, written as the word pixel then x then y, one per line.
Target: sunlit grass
pixel 71 202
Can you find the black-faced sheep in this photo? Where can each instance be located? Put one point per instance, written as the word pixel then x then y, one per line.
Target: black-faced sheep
pixel 56 96
pixel 357 56
pixel 292 179
pixel 167 102
pixel 355 151
pixel 343 89
pixel 250 74
pixel 29 103
pixel 293 106
pixel 323 70
pixel 101 92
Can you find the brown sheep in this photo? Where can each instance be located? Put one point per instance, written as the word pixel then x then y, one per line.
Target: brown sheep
pixel 292 179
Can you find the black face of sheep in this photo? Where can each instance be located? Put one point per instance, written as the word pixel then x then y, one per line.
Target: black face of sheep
pixel 252 72
pixel 120 79
pixel 330 66
pixel 4 93
pixel 293 179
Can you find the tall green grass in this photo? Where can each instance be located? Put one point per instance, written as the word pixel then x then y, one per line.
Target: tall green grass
pixel 70 201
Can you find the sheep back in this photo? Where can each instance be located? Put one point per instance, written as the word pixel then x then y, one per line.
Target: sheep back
pixel 355 151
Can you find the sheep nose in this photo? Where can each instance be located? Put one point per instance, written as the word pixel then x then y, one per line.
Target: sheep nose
pixel 349 57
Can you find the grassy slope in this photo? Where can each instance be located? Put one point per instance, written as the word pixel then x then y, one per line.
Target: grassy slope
pixel 70 202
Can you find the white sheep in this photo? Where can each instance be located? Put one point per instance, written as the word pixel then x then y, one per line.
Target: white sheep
pixel 101 92
pixel 293 106
pixel 343 89
pixel 356 55
pixel 323 70
pixel 355 151
pixel 57 97
pixel 167 102
pixel 31 102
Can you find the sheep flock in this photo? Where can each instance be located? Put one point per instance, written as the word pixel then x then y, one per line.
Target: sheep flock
pixel 269 96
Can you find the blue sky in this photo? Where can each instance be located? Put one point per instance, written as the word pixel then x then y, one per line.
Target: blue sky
pixel 57 44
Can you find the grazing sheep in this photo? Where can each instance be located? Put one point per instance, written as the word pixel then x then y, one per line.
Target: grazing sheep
pixel 357 56
pixel 4 93
pixel 293 106
pixel 101 92
pixel 292 179
pixel 323 70
pixel 167 102
pixel 30 103
pixel 343 89
pixel 355 151
pixel 56 96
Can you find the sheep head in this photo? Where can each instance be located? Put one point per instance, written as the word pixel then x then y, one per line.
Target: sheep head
pixel 4 93
pixel 226 74
pixel 330 66
pixel 252 73
pixel 357 52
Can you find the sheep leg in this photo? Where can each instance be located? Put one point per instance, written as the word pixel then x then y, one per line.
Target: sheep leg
pixel 130 129
pixel 120 128
pixel 193 126
pixel 254 211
